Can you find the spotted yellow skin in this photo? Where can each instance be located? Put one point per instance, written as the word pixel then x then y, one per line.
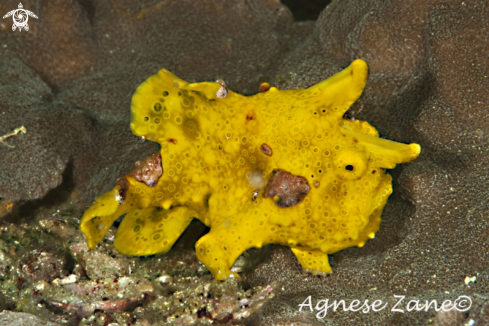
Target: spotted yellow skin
pixel 210 149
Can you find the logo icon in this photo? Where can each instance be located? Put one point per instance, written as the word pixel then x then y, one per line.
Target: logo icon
pixel 20 16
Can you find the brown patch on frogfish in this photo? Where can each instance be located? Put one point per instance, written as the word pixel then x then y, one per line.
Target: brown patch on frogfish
pixel 148 171
pixel 286 189
pixel 266 149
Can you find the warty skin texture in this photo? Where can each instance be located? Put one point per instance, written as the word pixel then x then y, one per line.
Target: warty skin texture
pixel 211 145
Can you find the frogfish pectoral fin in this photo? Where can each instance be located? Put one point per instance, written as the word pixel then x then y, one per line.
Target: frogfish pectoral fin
pixel 151 230
pixel 98 218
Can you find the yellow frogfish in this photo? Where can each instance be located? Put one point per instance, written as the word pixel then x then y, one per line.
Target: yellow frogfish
pixel 278 167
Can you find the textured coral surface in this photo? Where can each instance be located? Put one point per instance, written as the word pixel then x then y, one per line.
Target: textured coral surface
pixel 69 80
